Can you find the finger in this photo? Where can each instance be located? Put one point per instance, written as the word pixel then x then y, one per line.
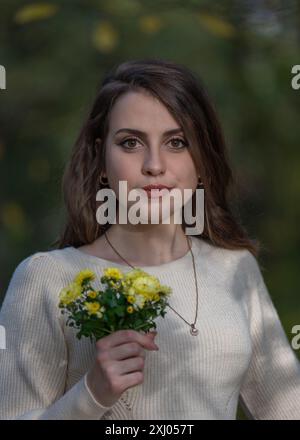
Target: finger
pixel 132 379
pixel 151 335
pixel 125 351
pixel 124 336
pixel 130 365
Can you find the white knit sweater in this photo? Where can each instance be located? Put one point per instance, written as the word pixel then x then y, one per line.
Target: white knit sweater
pixel 241 351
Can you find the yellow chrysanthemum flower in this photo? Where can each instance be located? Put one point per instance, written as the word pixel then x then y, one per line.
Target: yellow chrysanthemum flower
pixel 84 275
pixel 130 299
pixel 133 274
pixel 138 301
pixel 130 309
pixel 113 272
pixel 92 307
pixel 155 296
pixel 69 294
pixel 92 294
pixel 146 285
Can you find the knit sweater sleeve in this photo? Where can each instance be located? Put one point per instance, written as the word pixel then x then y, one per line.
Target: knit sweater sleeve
pixel 34 364
pixel 271 386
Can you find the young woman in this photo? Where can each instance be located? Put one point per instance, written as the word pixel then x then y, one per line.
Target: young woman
pixel 221 341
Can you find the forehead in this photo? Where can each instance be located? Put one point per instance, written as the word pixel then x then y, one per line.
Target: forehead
pixel 141 110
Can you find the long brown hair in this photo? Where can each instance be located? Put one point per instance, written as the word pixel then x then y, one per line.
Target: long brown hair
pixel 183 94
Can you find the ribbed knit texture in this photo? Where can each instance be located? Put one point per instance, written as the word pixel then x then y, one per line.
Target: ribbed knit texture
pixel 241 350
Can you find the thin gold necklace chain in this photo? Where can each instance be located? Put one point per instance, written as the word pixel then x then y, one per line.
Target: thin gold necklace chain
pixel 193 330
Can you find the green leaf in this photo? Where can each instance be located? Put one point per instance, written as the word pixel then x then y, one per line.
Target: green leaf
pixel 119 311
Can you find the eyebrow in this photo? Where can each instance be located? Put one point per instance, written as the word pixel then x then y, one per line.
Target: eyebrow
pixel 142 133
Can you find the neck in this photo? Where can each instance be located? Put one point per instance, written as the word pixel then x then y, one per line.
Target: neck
pixel 144 246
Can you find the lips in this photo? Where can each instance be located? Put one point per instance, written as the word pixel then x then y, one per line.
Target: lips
pixel 155 194
pixel 149 187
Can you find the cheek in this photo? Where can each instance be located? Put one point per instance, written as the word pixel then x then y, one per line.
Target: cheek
pixel 187 172
pixel 120 167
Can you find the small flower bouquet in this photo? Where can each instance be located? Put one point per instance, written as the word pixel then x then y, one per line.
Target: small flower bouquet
pixel 128 301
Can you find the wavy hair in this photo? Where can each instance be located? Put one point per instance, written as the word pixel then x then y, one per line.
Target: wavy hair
pixel 184 95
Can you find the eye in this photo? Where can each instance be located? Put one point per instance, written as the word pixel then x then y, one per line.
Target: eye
pixel 179 143
pixel 123 143
pixel 177 139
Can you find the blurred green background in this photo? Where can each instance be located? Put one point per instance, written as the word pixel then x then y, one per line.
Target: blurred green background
pixel 56 53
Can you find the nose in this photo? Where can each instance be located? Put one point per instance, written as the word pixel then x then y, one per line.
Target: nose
pixel 153 163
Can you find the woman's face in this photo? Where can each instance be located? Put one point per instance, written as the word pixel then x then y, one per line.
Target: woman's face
pixel 151 156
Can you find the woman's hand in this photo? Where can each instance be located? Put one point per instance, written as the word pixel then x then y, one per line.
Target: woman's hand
pixel 119 364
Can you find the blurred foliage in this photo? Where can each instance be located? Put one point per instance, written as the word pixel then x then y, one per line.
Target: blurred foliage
pixel 55 54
